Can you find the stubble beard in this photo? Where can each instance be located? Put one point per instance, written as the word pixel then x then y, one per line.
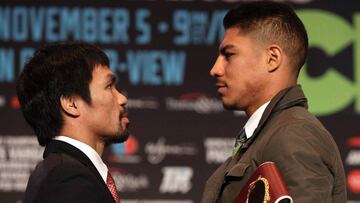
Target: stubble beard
pixel 121 136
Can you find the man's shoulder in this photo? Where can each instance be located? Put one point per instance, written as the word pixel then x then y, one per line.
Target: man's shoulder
pixel 60 177
pixel 298 127
pixel 59 172
pixel 56 167
pixel 295 117
pixel 296 130
pixel 64 162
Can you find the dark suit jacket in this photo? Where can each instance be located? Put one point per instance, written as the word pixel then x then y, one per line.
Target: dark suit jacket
pixel 304 151
pixel 66 175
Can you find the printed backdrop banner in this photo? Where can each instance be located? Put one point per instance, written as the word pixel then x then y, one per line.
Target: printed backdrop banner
pixel 162 52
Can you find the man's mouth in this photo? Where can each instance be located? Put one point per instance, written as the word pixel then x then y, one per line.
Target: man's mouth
pixel 221 87
pixel 124 119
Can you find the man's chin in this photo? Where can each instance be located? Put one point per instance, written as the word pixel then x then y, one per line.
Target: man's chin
pixel 120 138
pixel 232 107
pixel 228 106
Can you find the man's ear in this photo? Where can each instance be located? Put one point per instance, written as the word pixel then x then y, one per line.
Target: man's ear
pixel 275 57
pixel 69 105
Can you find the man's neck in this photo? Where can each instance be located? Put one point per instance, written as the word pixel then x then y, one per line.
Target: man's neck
pixel 83 137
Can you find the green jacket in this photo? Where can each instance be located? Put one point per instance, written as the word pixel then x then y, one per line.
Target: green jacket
pixel 304 151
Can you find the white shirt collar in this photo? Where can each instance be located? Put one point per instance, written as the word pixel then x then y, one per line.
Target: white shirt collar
pixel 254 120
pixel 89 152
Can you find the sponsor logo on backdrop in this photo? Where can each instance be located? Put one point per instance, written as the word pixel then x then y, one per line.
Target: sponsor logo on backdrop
pixel 2 101
pixel 353 142
pixel 18 156
pixel 144 103
pixel 158 150
pixel 14 102
pixel 353 181
pixel 353 158
pixel 125 152
pixel 126 182
pixel 239 113
pixel 218 149
pixel 176 179
pixel 196 102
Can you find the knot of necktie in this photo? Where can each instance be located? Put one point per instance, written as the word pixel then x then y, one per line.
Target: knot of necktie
pixel 239 142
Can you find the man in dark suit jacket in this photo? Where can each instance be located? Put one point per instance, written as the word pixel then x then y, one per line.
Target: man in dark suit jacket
pixel 67 94
pixel 264 46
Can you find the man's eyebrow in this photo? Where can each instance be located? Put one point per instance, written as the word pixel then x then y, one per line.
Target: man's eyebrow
pixel 111 78
pixel 225 48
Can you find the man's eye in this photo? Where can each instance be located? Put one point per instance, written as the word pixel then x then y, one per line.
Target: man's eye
pixel 228 55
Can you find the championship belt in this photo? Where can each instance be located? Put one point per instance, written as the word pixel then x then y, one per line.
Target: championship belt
pixel 265 185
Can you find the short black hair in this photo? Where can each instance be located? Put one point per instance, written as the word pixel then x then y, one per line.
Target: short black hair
pixel 272 22
pixel 55 70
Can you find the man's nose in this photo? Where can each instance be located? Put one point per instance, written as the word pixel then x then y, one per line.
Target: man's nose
pixel 121 99
pixel 217 69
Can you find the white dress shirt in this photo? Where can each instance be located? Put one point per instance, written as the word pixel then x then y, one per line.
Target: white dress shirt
pixel 89 152
pixel 254 120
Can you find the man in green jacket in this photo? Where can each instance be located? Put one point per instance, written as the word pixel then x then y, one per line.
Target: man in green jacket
pixel 264 46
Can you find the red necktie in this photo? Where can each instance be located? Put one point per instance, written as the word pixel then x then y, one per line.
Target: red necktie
pixel 112 187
